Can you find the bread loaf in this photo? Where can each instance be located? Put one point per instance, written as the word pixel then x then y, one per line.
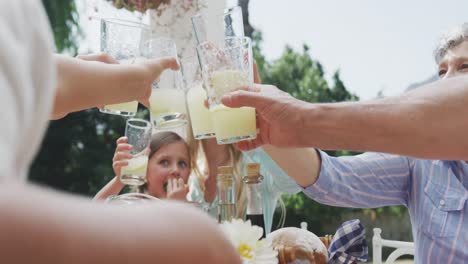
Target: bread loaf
pixel 298 245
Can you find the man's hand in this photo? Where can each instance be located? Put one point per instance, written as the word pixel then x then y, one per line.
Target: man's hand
pixel 277 115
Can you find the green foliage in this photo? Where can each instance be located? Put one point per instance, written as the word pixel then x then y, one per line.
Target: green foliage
pixel 63 18
pixel 76 155
pixel 300 75
pixel 301 208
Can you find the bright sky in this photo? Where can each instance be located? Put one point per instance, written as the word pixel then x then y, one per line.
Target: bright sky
pixel 377 45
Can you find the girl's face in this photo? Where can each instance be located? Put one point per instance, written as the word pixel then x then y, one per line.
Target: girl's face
pixel 169 162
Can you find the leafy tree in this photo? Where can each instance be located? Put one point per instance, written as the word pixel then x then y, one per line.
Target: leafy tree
pixel 63 18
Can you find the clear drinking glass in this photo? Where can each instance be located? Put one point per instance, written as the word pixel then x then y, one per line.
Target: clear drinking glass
pixel 227 66
pixel 215 28
pixel 138 132
pixel 167 101
pixel 200 116
pixel 131 199
pixel 121 40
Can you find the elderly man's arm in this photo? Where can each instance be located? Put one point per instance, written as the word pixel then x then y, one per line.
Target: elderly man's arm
pixel 430 122
pixel 44 227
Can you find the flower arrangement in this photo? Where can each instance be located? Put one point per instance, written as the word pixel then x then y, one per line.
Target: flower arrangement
pixel 138 5
pixel 245 237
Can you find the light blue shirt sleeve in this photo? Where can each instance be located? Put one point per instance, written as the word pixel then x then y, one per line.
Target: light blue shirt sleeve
pixel 275 183
pixel 368 180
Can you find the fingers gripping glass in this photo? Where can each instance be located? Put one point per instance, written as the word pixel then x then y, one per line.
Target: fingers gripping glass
pixel 167 101
pixel 138 132
pixel 226 66
pixel 121 40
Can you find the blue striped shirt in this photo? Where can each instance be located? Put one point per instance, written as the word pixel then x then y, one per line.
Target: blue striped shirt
pixel 434 191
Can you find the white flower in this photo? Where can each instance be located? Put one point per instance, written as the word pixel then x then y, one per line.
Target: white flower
pixel 245 238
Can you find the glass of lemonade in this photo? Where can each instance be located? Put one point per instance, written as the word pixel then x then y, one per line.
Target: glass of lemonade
pixel 215 27
pixel 138 132
pixel 167 101
pixel 225 67
pixel 121 40
pixel 200 116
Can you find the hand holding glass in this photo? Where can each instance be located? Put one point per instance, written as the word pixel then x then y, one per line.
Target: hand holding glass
pixel 121 40
pixel 138 132
pixel 167 101
pixel 225 67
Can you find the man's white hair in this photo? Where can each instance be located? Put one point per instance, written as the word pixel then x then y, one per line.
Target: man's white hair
pixel 452 39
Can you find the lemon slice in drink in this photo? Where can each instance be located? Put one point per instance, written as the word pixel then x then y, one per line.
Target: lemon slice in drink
pixel 136 166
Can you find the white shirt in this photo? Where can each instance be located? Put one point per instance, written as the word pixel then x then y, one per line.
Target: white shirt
pixel 27 81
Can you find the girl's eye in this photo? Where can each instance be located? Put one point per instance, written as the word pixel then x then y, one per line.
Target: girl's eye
pixel 164 162
pixel 464 66
pixel 183 164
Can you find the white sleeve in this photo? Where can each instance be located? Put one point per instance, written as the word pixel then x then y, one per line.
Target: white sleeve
pixel 27 81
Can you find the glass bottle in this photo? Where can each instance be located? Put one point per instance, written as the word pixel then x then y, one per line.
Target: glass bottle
pixel 253 181
pixel 226 194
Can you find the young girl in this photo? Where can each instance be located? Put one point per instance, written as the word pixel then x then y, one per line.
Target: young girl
pixel 168 167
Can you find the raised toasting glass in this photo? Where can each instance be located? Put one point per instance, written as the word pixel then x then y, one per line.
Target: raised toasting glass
pixel 216 27
pixel 167 101
pixel 200 116
pixel 121 39
pixel 138 133
pixel 227 66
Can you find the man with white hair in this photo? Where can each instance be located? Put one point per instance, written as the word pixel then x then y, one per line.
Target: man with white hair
pixel 430 122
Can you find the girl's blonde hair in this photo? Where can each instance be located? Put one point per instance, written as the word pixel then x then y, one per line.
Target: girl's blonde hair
pixel 235 157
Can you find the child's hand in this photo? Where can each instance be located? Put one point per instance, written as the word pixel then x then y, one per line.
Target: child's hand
pixel 121 155
pixel 177 190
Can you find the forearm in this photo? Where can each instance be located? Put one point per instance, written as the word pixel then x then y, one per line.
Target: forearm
pixel 427 123
pixel 44 227
pixel 112 188
pixel 301 164
pixel 85 84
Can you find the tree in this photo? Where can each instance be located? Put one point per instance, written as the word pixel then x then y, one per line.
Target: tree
pixel 248 29
pixel 63 18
